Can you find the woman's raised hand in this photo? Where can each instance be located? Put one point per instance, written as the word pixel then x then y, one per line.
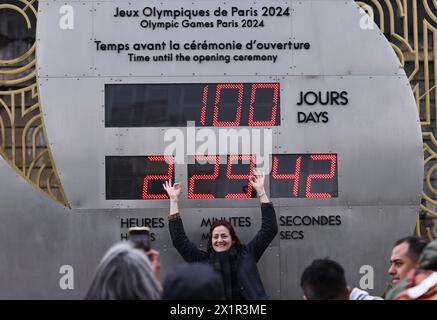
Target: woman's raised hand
pixel 173 191
pixel 257 181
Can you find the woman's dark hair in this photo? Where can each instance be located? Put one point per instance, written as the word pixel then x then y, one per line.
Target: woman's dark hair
pixel 228 226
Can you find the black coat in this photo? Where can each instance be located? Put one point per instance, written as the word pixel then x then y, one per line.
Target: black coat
pixel 248 275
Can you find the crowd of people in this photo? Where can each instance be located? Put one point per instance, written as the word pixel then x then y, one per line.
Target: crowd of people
pixel 227 270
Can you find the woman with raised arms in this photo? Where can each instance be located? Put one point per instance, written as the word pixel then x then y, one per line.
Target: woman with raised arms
pixel 233 260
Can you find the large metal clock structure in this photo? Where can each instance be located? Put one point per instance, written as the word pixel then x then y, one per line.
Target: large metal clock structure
pixel 332 108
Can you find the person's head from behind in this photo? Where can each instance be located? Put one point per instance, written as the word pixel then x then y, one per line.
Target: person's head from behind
pixel 222 236
pixel 194 281
pixel 405 257
pixel 124 273
pixel 324 279
pixel 428 258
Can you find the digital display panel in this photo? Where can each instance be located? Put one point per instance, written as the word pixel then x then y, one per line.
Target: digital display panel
pixel 138 177
pixel 210 179
pixel 304 176
pixel 313 176
pixel 207 104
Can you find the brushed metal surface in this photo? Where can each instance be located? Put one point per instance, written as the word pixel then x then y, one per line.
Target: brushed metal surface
pixel 376 136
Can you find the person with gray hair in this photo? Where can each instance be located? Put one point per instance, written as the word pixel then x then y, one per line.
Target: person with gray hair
pixel 124 273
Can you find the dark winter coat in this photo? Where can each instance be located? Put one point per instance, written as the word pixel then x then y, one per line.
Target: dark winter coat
pixel 193 281
pixel 248 276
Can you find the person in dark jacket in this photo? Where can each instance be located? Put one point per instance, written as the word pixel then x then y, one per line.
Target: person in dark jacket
pixel 235 262
pixel 193 281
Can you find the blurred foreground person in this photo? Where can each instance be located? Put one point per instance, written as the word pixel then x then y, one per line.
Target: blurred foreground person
pixel 124 273
pixel 324 279
pixel 405 257
pixel 420 283
pixel 194 281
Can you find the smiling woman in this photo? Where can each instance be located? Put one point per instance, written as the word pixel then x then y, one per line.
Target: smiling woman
pixel 235 262
pixel 223 236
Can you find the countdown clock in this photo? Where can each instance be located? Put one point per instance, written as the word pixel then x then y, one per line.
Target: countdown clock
pixel 216 105
pixel 320 99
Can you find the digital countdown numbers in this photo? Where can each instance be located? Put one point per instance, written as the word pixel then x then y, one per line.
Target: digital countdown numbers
pixel 137 177
pixel 313 176
pixel 215 180
pixel 207 104
pixel 304 176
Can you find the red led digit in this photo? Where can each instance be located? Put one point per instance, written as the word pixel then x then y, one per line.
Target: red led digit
pixel 169 160
pixel 232 176
pixel 272 121
pixel 228 86
pixel 288 176
pixel 319 176
pixel 204 101
pixel 213 176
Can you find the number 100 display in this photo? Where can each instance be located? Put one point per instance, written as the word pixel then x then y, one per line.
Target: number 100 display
pixel 205 104
pixel 313 176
